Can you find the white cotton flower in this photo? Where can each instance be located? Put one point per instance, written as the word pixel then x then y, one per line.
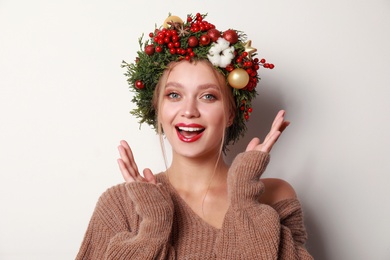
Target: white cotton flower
pixel 220 54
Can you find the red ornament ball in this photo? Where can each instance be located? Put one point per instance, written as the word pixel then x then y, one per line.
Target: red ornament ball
pixel 214 34
pixel 193 41
pixel 204 40
pixel 149 49
pixel 231 36
pixel 139 84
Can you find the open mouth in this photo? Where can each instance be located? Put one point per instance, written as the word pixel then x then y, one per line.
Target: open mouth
pixel 189 134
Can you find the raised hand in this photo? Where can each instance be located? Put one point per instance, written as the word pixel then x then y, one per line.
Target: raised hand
pixel 276 130
pixel 129 168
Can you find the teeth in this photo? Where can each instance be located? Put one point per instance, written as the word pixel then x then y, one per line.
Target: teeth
pixel 190 129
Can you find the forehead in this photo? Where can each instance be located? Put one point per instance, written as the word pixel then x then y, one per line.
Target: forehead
pixel 198 73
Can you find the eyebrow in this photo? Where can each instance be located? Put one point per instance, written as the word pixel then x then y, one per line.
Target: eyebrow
pixel 203 86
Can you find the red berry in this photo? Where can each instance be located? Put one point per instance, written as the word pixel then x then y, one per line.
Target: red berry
pixel 172 51
pixel 159 48
pixel 161 35
pixel 231 36
pixel 189 19
pixel 151 35
pixel 175 38
pixel 250 110
pixel 271 66
pixel 193 41
pixel 262 61
pixel 149 49
pixel 229 68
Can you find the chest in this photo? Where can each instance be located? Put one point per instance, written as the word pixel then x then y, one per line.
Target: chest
pixel 194 232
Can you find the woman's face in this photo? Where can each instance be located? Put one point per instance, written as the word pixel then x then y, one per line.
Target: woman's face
pixel 192 112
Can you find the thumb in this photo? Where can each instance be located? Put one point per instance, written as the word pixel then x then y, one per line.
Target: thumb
pixel 149 176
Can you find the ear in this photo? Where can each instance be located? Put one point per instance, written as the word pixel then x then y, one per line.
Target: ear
pixel 230 119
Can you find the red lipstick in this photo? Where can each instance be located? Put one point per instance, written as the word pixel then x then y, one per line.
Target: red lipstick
pixel 189 132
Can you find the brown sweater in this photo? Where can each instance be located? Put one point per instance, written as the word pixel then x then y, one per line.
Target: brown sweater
pixel 147 221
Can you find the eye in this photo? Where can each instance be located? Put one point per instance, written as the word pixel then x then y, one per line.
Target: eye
pixel 209 97
pixel 173 95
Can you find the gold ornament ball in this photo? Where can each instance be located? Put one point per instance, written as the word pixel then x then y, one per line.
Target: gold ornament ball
pixel 172 19
pixel 238 78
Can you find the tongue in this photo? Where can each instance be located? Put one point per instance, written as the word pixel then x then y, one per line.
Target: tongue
pixel 188 134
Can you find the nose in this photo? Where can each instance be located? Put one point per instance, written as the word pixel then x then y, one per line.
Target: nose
pixel 190 109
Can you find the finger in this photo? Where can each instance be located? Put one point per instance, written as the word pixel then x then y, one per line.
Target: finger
pixel 267 146
pixel 252 144
pixel 128 160
pixel 278 122
pixel 129 153
pixel 279 115
pixel 149 176
pixel 125 173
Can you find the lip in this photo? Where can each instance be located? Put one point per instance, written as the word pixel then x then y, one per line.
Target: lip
pixel 192 139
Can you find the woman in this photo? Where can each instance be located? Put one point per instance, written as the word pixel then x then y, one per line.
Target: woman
pixel 199 208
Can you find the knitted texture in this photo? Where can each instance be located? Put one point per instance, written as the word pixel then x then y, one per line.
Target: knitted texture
pixel 146 221
pixel 244 185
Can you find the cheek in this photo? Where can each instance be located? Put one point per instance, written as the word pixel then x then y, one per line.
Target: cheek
pixel 216 115
pixel 167 113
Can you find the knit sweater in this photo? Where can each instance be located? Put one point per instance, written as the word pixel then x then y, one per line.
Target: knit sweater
pixel 148 221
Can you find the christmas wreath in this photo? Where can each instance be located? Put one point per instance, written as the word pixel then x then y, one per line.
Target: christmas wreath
pixel 228 51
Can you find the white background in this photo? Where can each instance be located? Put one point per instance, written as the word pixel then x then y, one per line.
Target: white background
pixel 64 106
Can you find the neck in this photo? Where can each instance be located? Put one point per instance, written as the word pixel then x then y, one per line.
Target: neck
pixel 197 174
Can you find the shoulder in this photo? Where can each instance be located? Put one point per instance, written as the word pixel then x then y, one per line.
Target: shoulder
pixel 276 190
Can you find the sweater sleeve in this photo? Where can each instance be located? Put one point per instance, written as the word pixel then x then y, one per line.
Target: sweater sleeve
pixel 252 230
pixel 293 233
pixel 131 222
